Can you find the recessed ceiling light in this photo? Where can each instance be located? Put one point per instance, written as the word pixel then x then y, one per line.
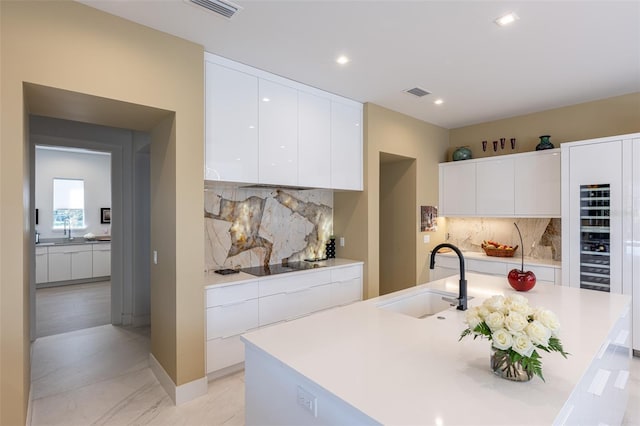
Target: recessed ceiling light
pixel 265 99
pixel 342 60
pixel 506 19
pixel 438 102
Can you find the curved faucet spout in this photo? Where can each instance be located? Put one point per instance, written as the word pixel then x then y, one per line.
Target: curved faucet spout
pixel 462 285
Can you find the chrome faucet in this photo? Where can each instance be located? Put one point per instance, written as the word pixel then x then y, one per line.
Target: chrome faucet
pixel 462 290
pixel 67 222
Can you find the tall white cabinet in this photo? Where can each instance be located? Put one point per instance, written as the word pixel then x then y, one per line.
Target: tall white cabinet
pixel 601 217
pixel 264 129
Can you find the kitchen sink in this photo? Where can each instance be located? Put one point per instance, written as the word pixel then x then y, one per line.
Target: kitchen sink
pixel 419 305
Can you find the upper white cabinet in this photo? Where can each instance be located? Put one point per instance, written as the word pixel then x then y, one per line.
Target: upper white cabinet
pixel 494 187
pixel 346 146
pixel 278 134
pixel 516 185
pixel 457 189
pixel 262 128
pixel 231 132
pixel 314 140
pixel 537 184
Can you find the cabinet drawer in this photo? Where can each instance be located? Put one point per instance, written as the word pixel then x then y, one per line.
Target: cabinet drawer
pixel 346 274
pixel 287 306
pixel 451 262
pixel 345 292
pixel 543 273
pixel 491 268
pixel 102 247
pixel 294 282
pixel 224 352
pixel 41 250
pixel 231 294
pixel 231 319
pixel 69 249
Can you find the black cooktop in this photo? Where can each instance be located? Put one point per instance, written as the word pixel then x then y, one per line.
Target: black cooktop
pixel 279 268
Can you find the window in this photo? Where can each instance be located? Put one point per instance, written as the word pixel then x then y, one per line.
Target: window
pixel 68 203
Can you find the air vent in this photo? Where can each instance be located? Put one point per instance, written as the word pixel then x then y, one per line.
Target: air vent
pixel 224 8
pixel 416 91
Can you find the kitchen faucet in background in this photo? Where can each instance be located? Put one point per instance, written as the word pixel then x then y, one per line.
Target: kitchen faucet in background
pixel 67 222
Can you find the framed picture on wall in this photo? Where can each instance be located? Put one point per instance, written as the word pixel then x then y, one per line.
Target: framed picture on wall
pixel 105 215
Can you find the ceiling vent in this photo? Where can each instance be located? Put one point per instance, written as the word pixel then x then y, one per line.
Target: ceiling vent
pixel 224 8
pixel 417 91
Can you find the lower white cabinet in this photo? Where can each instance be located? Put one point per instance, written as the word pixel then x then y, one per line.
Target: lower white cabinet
pixel 101 260
pixel 447 266
pixel 81 263
pixel 235 309
pixel 42 265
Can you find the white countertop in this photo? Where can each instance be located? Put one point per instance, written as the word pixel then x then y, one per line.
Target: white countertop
pixel 402 370
pixel 212 279
pixel 516 259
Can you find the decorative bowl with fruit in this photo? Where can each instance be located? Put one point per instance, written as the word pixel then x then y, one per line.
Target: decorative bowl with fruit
pixel 492 248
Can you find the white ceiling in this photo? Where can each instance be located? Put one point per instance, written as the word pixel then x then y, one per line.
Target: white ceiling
pixel 559 53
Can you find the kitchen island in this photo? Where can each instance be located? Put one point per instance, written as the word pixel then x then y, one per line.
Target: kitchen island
pixel 367 364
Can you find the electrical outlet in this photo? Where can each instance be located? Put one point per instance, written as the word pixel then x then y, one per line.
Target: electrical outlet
pixel 307 401
pixel 155 257
pixel 426 239
pixel 341 241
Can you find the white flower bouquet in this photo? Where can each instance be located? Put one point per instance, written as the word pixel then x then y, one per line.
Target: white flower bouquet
pixel 516 331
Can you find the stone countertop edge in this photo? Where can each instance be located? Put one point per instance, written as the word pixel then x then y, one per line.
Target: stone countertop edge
pixel 211 279
pixel 516 259
pixel 367 356
pixel 80 241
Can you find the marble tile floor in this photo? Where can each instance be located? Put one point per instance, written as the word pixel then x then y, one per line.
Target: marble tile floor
pixel 100 376
pixel 72 307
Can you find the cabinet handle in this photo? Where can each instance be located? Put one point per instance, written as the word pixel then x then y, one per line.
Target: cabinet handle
pixel 241 333
pixel 298 291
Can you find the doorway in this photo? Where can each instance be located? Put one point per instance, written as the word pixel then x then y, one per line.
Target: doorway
pixel 398 215
pixel 126 209
pixel 73 239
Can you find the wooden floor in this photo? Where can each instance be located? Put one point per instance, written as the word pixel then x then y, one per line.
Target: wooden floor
pixel 72 307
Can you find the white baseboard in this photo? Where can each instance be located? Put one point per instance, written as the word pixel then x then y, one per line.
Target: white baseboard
pixel 179 394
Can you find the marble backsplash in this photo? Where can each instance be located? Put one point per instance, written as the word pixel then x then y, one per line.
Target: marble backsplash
pixel 250 227
pixel 541 236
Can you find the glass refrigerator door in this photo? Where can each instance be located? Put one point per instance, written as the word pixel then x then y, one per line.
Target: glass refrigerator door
pixel 595 237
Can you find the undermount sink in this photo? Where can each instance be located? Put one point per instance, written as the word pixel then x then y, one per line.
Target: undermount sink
pixel 419 305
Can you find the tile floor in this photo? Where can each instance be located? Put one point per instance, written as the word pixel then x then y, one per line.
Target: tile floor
pixel 72 307
pixel 100 376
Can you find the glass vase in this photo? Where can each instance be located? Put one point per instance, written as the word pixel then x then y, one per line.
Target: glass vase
pixel 502 366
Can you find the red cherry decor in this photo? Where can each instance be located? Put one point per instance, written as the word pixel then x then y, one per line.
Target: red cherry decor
pixel 520 279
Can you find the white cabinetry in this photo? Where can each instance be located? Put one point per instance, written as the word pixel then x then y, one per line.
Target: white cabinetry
pixel 262 128
pixel 237 308
pixel 278 134
pixel 42 265
pixel 231 132
pixel 537 184
pixel 81 262
pixel 515 185
pixel 59 263
pixel 101 260
pixel 231 311
pixel 457 189
pixel 447 266
pixel 494 187
pixel 346 146
pixel 314 140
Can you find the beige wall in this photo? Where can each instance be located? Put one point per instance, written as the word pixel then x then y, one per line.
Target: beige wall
pixel 397 209
pixel 70 46
pixel 356 215
pixel 606 117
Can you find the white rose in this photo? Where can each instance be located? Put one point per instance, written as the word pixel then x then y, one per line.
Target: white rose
pixel 502 339
pixel 483 312
pixel 523 345
pixel 548 319
pixel 515 321
pixel 522 308
pixel 538 333
pixel 495 320
pixel 494 303
pixel 472 318
pixel 516 298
